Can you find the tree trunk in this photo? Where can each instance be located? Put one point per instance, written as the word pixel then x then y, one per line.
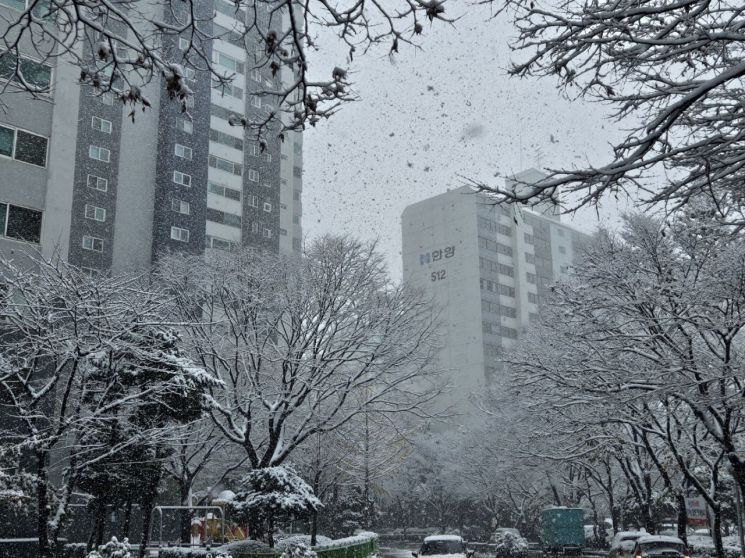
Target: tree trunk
pixel 148 502
pixel 127 518
pixel 186 515
pixel 100 521
pixel 313 527
pixel 716 531
pixel 42 520
pixel 682 518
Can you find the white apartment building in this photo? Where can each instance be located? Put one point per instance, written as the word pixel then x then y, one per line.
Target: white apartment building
pixel 489 266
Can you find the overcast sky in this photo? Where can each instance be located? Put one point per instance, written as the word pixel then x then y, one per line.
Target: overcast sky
pixel 429 116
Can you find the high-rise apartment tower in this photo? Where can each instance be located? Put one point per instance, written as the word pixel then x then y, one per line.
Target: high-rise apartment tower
pixel 77 176
pixel 489 266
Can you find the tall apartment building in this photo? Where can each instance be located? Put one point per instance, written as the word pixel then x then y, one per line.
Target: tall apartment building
pixel 77 176
pixel 489 266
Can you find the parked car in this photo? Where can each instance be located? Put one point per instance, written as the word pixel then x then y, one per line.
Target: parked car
pixel 660 546
pixel 508 543
pixel 444 545
pixel 623 542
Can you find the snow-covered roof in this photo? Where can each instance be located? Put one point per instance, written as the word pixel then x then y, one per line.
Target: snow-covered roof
pixel 659 538
pixel 433 538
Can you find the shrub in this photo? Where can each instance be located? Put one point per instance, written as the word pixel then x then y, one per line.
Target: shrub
pixel 74 550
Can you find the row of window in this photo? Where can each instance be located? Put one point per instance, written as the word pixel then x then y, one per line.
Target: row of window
pixel 23 146
pixel 497 308
pixel 496 267
pixel 224 191
pixel 499 329
pixel 496 287
pixel 493 226
pixel 495 246
pixel 224 218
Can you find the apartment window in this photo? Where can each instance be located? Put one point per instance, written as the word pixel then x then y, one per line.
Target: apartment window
pixel 179 234
pixel 504 229
pixel 506 270
pixel 267 207
pixel 560 232
pixel 530 258
pixel 296 244
pixel 227 61
pixel 253 201
pixel 218 243
pixel 226 139
pixel 181 178
pixel 190 73
pixel 107 99
pixel 183 151
pixel 296 219
pixel 256 101
pixel 532 298
pixel 99 153
pixel 255 227
pixel 503 249
pixel 23 146
pixel 185 125
pixel 507 290
pixel 508 332
pixel 228 89
pixel 20 223
pixel 189 101
pixel 268 157
pixel 183 44
pixel 283 232
pixel 35 74
pixel 93 243
pixel 297 148
pixel 101 125
pixel 217 216
pixel 224 191
pixel 530 277
pixel 297 172
pixel 95 213
pixel 267 233
pixel 90 271
pixel 529 238
pixel 508 311
pixel 562 250
pixel 253 175
pixel 254 150
pixel 227 166
pixel 97 183
pixel 296 195
pixel 256 75
pixel 180 206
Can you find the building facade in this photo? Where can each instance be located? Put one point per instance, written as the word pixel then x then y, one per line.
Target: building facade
pixel 489 267
pixel 79 178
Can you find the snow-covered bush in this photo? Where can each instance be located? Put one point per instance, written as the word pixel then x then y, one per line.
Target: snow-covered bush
pixel 240 549
pixel 286 540
pixel 359 538
pixel 188 552
pixel 74 550
pixel 508 544
pixel 112 549
pixel 298 550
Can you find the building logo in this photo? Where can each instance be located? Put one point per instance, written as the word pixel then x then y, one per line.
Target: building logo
pixel 436 255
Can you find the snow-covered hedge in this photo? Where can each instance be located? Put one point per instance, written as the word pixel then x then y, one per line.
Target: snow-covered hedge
pixel 298 550
pixel 360 538
pixel 75 550
pixel 289 540
pixel 700 545
pixel 247 548
pixel 185 552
